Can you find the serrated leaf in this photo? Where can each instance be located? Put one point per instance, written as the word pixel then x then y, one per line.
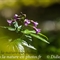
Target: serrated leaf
pixel 38 37
pixel 29 46
pixel 18 45
pixel 21 43
pixel 21 48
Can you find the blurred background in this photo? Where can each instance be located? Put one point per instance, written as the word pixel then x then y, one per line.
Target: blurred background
pixel 46 12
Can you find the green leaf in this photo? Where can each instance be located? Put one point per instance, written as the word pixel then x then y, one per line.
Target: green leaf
pixel 21 48
pixel 3 27
pixel 19 28
pixel 43 35
pixel 28 31
pixel 11 29
pixel 29 46
pixel 28 37
pixel 15 24
pixel 18 45
pixel 38 37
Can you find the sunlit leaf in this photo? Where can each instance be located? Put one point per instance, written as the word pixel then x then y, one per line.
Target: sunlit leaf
pixel 29 46
pixel 18 45
pixel 21 43
pixel 21 47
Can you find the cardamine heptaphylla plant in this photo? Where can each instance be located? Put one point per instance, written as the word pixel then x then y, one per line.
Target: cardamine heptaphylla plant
pixel 26 28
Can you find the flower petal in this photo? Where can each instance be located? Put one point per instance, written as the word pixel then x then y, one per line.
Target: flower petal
pixel 15 16
pixel 26 22
pixel 35 23
pixel 37 30
pixel 9 21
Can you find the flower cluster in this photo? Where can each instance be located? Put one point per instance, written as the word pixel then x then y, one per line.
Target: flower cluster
pixel 25 22
pixel 25 28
